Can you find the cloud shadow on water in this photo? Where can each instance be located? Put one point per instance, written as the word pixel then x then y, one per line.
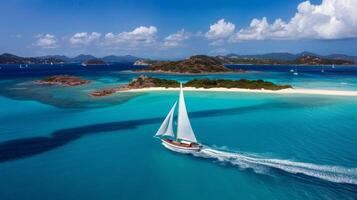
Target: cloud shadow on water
pixel 26 147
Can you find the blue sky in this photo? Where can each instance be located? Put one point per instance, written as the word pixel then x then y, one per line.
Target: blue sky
pixel 177 28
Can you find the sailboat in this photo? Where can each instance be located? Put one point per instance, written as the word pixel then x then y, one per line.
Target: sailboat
pixel 296 72
pixel 184 141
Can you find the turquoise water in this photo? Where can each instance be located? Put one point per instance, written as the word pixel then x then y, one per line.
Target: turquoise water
pixel 59 143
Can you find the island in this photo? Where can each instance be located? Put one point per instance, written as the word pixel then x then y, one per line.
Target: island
pixel 198 64
pixel 62 80
pixel 302 60
pixel 242 84
pixel 94 62
pixel 143 82
pixel 202 64
pixel 315 60
pixel 137 83
pixel 7 58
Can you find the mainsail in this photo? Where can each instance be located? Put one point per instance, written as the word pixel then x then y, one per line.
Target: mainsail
pixel 166 128
pixel 184 129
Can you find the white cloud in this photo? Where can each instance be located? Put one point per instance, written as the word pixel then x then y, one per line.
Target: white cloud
pixel 46 41
pixel 220 30
pixel 84 38
pixel 332 19
pixel 140 36
pixel 176 39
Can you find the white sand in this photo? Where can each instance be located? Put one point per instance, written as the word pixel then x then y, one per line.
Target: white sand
pixel 283 91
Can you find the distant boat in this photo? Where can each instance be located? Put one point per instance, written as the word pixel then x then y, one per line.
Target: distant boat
pixel 185 140
pixel 20 66
pixel 295 72
pixel 333 66
pixel 51 63
pixel 83 64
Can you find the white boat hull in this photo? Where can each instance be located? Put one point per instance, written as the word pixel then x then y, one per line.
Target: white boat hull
pixel 181 149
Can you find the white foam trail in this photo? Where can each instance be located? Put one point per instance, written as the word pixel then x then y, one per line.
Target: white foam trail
pixel 335 174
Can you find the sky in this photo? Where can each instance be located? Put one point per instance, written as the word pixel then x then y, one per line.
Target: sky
pixel 177 28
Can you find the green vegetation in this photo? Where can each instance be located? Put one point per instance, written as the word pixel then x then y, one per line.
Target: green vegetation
pixel 165 83
pixel 193 65
pixel 242 83
pixel 216 64
pixel 145 82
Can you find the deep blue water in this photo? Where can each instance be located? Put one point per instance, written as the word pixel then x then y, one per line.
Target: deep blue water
pixel 60 143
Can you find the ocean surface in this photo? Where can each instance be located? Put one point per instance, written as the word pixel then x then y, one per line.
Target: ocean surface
pixel 60 143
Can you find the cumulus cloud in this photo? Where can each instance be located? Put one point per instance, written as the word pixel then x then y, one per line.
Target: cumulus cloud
pixel 139 36
pixel 46 41
pixel 84 38
pixel 176 39
pixel 332 19
pixel 18 35
pixel 220 30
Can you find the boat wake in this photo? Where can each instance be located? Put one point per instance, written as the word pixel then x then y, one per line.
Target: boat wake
pixel 334 174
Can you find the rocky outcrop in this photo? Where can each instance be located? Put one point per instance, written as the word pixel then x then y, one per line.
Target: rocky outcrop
pixel 63 80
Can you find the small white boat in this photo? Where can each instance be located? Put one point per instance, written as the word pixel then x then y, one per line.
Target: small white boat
pixel 185 140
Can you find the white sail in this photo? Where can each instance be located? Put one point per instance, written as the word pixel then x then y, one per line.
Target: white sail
pixel 184 129
pixel 166 128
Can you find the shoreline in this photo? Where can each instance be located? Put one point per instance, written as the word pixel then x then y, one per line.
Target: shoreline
pixel 282 91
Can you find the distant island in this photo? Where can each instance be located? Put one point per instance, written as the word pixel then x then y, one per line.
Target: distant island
pixel 63 80
pixel 197 63
pixel 192 65
pixel 303 60
pixel 7 58
pixel 200 64
pixel 94 61
pixel 142 82
pixel 314 60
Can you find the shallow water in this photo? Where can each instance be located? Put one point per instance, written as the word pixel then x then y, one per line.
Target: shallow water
pixel 60 143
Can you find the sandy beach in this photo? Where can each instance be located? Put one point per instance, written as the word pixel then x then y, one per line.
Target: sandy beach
pixel 283 91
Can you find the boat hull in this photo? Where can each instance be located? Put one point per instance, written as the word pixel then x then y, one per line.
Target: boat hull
pixel 181 147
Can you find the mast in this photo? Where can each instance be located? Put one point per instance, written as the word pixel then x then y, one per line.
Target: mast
pixel 166 128
pixel 184 129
